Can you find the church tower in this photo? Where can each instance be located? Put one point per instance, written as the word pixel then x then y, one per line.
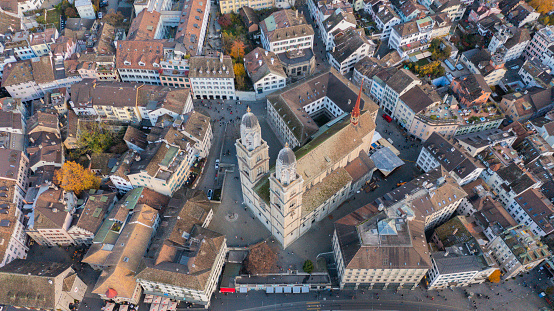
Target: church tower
pixel 253 158
pixel 285 190
pixel 355 114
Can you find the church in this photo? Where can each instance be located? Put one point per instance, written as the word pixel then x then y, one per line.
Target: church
pixel 331 138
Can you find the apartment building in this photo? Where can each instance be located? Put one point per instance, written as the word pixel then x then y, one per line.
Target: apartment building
pixel 44 146
pixel 46 285
pixel 475 143
pixel 52 217
pixel 510 43
pixel 347 48
pixel 265 70
pixel 389 85
pixel 471 90
pixel 229 6
pixel 386 19
pixel 521 106
pixel 413 102
pixel 459 257
pixel 88 219
pixel 85 9
pixel 480 62
pixel 12 230
pixel 321 10
pixel 197 126
pixel 100 67
pixel 286 30
pixel 40 42
pixel 522 14
pixel 375 249
pixel 534 210
pixel 533 73
pixel 532 148
pixel 14 166
pixel 336 23
pixel 517 250
pixel 139 61
pixel 212 77
pixel 438 151
pixel 453 8
pixel 128 102
pixel 131 228
pixel 416 35
pixel 189 216
pixel 509 182
pixel 163 166
pixel 298 64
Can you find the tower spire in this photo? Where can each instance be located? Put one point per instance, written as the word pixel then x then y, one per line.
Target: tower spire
pixel 355 115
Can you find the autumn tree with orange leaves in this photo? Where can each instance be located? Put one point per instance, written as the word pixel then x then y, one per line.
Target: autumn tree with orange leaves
pixel 237 50
pixel 74 177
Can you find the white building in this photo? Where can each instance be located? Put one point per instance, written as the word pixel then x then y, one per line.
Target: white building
pixel 509 43
pixel 542 40
pixel 337 22
pixel 139 61
pixel 85 9
pixel 517 250
pixel 534 210
pixel 386 19
pixel 453 268
pixel 266 71
pixel 438 151
pixel 212 77
pixel 509 182
pixel 286 30
pixel 349 47
pixel 387 88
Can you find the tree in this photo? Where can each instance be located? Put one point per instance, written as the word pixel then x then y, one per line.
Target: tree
pixel 308 266
pixel 94 138
pixel 542 6
pixel 71 12
pixel 239 69
pixel 224 21
pixel 114 19
pixel 261 259
pixel 237 50
pixel 74 177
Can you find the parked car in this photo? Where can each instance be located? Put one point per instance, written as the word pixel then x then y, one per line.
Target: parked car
pixel 210 194
pixel 386 117
pixel 216 164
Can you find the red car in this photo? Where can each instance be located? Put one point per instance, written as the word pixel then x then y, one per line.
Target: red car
pixel 386 117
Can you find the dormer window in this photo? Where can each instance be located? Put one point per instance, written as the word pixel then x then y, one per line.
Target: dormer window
pixel 155 65
pixel 141 64
pixel 127 63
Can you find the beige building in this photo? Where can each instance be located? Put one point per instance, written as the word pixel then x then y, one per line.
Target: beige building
pixel 13 240
pixel 377 248
pixel 52 216
pixel 310 183
pixel 40 285
pixel 119 255
pixel 229 6
pixel 186 259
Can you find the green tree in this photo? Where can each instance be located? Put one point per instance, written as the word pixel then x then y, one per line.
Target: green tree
pixel 95 138
pixel 308 266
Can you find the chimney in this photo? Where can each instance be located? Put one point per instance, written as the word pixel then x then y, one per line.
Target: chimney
pixel 296 13
pixel 260 62
pixel 266 53
pixel 221 57
pixel 272 60
pixel 333 49
pixel 256 55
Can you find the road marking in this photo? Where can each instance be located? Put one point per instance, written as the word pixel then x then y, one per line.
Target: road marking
pixel 312 302
pixel 313 308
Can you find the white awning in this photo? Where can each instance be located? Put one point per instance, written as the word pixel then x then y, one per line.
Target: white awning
pixel 269 290
pixel 288 290
pixel 305 289
pixel 296 289
pixel 243 290
pixel 278 290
